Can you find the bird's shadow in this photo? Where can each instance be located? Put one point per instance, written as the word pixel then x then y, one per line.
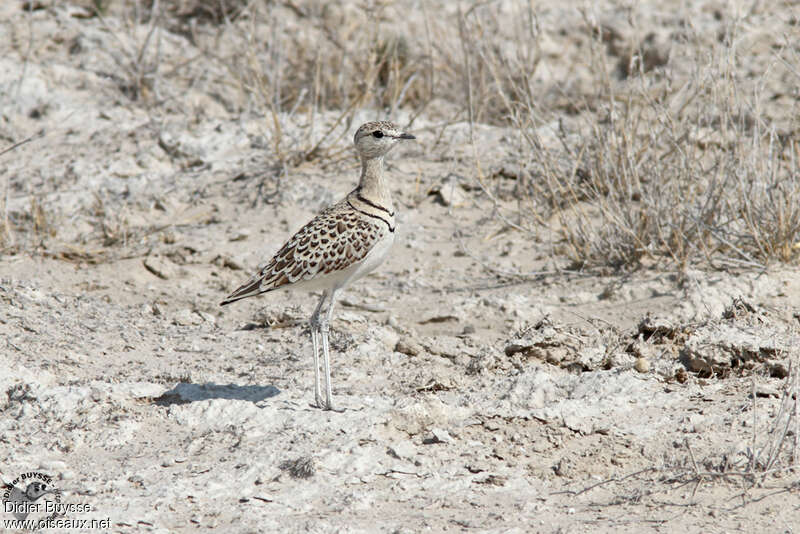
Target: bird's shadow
pixel 184 393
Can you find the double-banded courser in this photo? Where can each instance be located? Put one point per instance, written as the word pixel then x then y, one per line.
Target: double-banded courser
pixel 340 245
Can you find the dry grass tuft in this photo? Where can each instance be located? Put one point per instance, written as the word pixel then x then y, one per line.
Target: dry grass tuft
pixel 333 58
pixel 26 229
pixel 300 468
pixel 190 12
pixel 771 456
pixel 683 162
pixel 763 469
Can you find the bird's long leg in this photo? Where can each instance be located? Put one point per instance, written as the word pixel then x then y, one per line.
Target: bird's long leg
pixel 315 327
pixel 326 359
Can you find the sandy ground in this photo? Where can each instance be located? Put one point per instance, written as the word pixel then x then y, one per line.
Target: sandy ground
pixel 563 402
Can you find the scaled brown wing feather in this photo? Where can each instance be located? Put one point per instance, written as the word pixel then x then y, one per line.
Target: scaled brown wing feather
pixel 332 241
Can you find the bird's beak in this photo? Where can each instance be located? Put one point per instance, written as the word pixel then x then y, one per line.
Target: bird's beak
pixel 405 136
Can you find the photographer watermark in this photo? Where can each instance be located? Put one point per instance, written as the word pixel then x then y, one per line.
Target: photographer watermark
pixel 33 502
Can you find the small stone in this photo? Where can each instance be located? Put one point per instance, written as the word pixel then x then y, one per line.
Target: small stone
pixel 240 235
pixel 388 337
pixel 469 329
pixel 403 450
pixel 161 267
pixel 186 317
pixel 681 376
pixel 438 435
pixel 642 349
pixel 778 370
pixel 764 390
pixel 493 480
pixel 517 346
pixel 207 317
pixel 699 365
pixel 234 264
pixel 449 193
pixel 408 346
pixel 394 323
pixel 577 423
pixel 642 365
pixel 564 468
pixel 49 466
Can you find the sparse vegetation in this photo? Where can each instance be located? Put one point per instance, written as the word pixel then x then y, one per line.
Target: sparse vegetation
pixel 660 148
pixel 685 162
pixel 751 470
pixel 645 147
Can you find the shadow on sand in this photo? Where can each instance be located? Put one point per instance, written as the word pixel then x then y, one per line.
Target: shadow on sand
pixel 184 393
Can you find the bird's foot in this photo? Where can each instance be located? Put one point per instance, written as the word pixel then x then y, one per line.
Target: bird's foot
pixel 326 407
pixel 331 408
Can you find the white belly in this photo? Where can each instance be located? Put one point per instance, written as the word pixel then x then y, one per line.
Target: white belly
pixel 370 262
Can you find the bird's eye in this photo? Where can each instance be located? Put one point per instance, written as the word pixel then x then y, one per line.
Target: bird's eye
pixel 377 133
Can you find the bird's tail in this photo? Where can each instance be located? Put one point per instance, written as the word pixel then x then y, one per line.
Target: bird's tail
pixel 250 288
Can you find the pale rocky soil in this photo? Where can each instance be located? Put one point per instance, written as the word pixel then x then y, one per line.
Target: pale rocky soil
pixel 472 403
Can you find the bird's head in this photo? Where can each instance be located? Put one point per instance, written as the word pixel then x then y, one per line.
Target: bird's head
pixel 375 139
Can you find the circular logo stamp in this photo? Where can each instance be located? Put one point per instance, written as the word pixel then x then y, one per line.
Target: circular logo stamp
pixel 32 497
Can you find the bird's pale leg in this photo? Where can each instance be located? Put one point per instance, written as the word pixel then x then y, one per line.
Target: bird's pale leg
pixel 317 388
pixel 326 359
pixel 315 327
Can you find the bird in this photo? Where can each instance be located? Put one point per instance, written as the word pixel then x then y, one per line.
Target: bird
pixel 343 243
